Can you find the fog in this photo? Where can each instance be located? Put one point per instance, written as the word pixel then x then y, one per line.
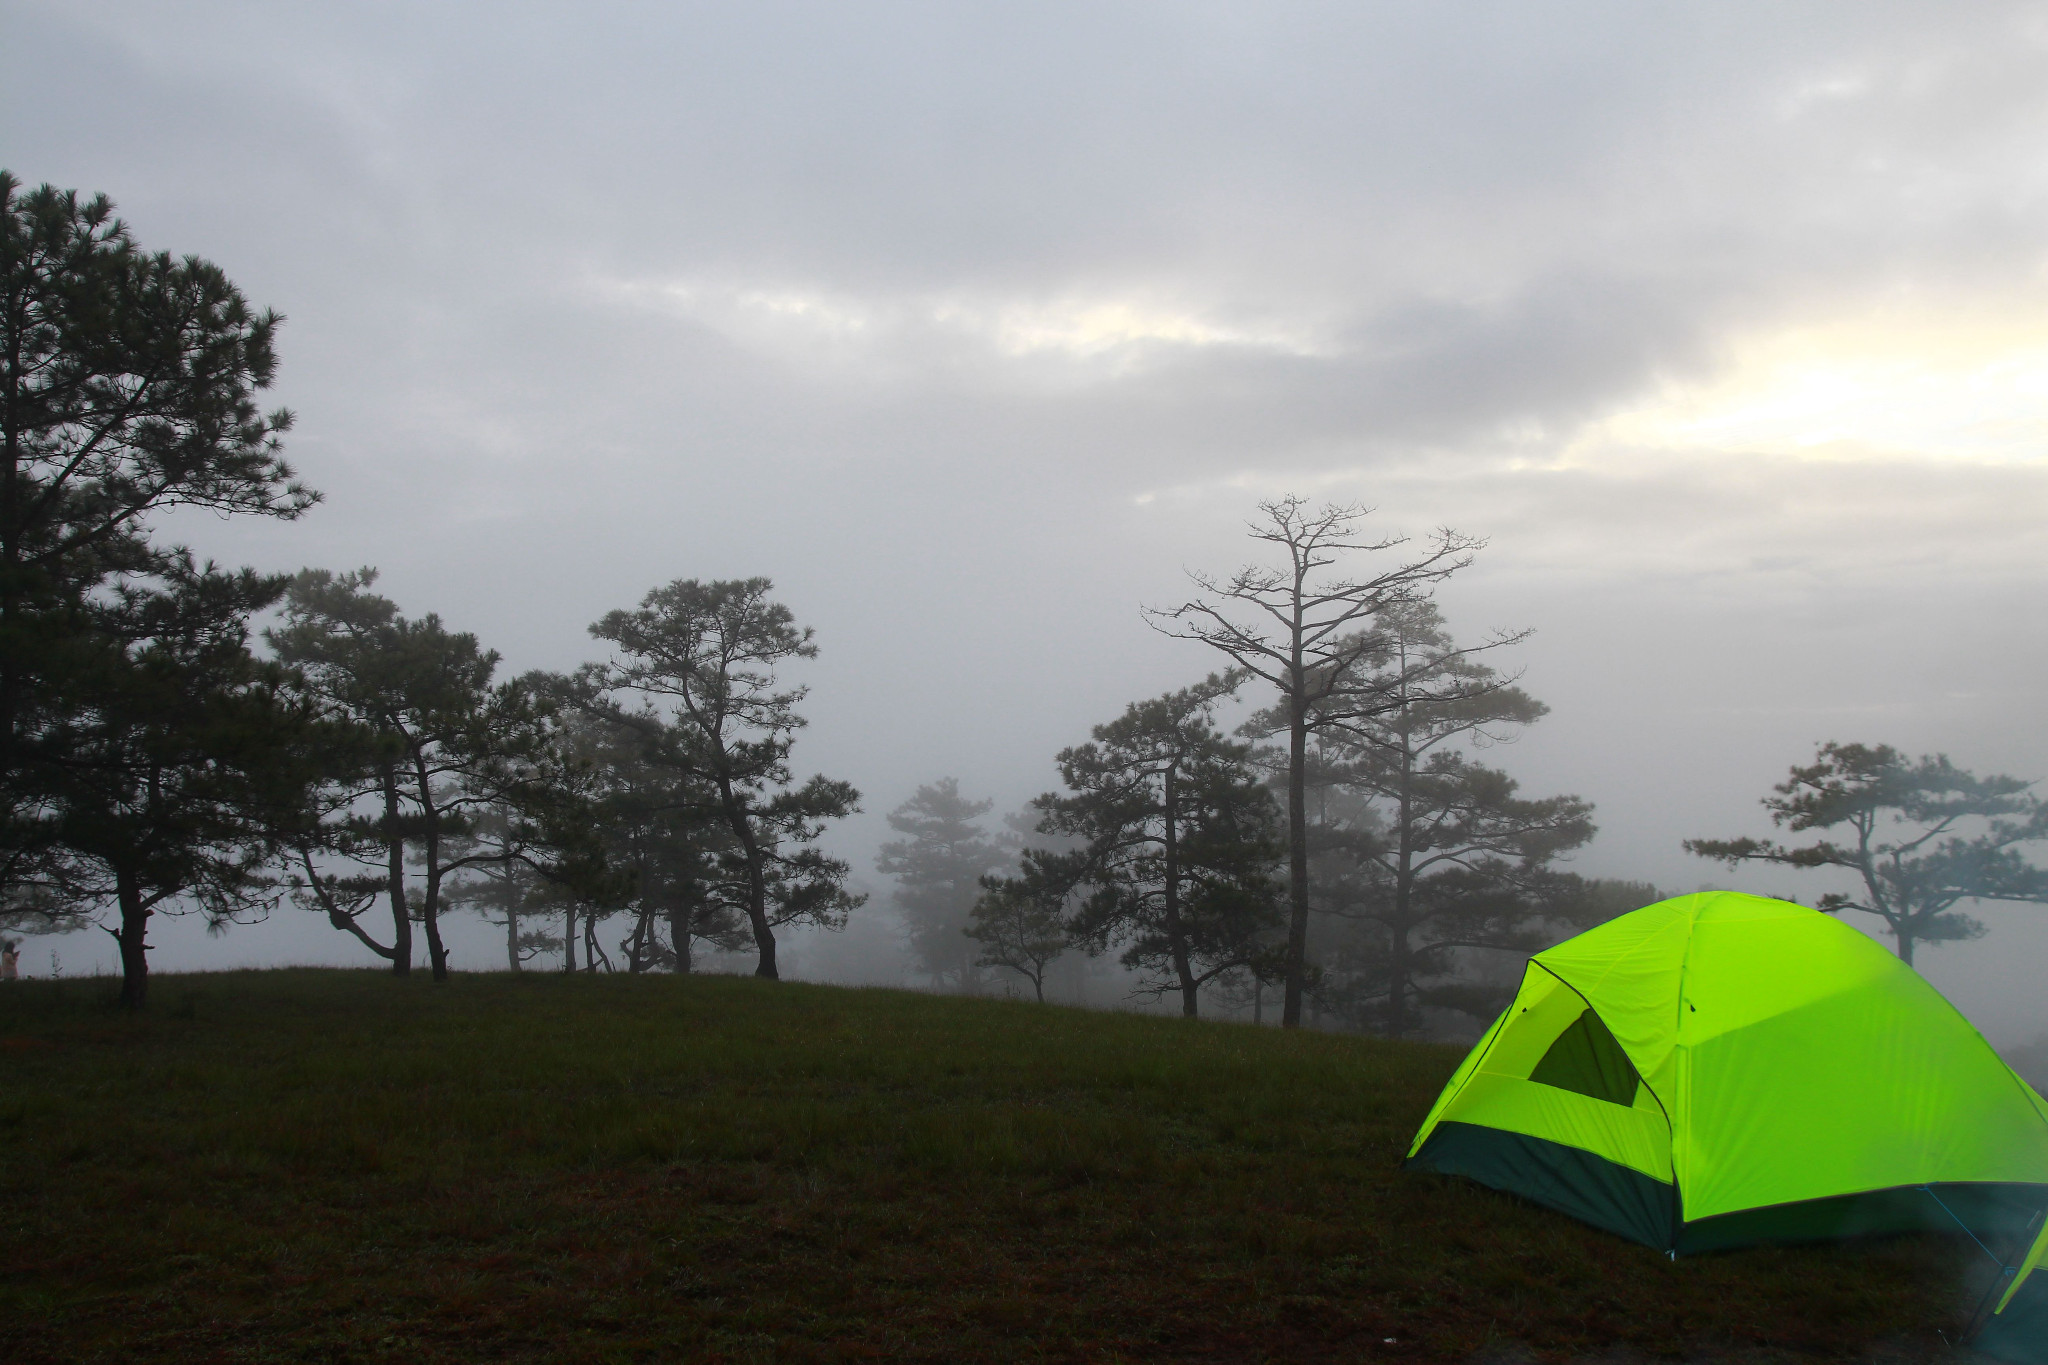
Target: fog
pixel 975 330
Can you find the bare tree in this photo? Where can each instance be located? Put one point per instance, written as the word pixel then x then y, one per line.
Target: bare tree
pixel 1304 635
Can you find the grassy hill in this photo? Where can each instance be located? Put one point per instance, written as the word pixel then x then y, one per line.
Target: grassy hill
pixel 329 1165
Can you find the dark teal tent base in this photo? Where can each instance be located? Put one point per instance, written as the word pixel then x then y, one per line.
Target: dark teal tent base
pixel 1590 1188
pixel 2020 1333
pixel 1999 1214
pixel 1630 1204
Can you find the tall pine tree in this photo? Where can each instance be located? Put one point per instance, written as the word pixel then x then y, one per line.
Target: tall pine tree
pixel 938 868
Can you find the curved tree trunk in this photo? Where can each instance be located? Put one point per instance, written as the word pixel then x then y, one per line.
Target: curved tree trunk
pixel 133 940
pixel 394 843
pixel 757 881
pixel 679 938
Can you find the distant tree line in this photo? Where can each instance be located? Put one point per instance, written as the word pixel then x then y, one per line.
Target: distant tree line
pixel 1347 845
pixel 1342 845
pixel 1315 818
pixel 653 786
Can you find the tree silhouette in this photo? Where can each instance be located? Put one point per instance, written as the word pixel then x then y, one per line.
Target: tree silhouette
pixel 1456 858
pixel 707 654
pixel 1302 635
pixel 1178 843
pixel 938 871
pixel 1909 825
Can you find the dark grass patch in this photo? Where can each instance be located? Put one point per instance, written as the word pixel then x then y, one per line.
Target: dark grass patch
pixel 339 1166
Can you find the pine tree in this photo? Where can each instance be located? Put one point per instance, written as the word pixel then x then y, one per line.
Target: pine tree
pixel 703 656
pixel 938 870
pixel 1452 858
pixel 129 388
pixel 444 745
pixel 1179 843
pixel 1923 836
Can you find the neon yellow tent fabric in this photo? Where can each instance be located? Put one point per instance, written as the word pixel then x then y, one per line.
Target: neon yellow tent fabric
pixel 1720 1069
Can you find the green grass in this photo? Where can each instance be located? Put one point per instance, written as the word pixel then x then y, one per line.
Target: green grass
pixel 329 1166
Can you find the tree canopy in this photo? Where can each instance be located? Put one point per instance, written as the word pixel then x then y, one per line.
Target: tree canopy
pixel 704 657
pixel 938 867
pixel 1179 843
pixel 1922 835
pixel 128 385
pixel 1452 857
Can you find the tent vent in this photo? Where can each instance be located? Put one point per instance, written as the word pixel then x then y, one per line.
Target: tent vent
pixel 1586 1059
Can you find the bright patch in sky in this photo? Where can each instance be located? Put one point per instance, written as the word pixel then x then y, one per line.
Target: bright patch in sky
pixel 1107 333
pixel 1950 388
pixel 1085 328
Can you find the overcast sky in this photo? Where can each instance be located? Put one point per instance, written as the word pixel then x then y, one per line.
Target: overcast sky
pixel 973 326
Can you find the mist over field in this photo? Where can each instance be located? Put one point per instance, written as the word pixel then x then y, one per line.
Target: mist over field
pixel 1723 326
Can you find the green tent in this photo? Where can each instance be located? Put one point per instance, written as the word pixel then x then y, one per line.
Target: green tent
pixel 1718 1070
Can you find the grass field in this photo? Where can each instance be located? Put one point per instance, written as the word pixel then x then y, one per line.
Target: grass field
pixel 328 1166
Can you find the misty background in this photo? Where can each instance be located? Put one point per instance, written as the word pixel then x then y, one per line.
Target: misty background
pixel 975 328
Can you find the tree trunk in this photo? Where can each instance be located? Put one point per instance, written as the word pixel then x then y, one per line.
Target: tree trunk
pixel 1297 851
pixel 1258 1001
pixel 133 940
pixel 512 933
pixel 430 903
pixel 679 938
pixel 757 881
pixel 1397 982
pixel 757 914
pixel 1404 893
pixel 394 843
pixel 642 946
pixel 569 940
pixel 1906 941
pixel 1176 934
pixel 437 953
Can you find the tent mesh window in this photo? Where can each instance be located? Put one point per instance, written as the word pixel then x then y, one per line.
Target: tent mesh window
pixel 1586 1059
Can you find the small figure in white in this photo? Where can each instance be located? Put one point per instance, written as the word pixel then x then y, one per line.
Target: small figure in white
pixel 10 959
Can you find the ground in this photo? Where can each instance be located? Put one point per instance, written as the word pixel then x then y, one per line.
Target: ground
pixel 341 1166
